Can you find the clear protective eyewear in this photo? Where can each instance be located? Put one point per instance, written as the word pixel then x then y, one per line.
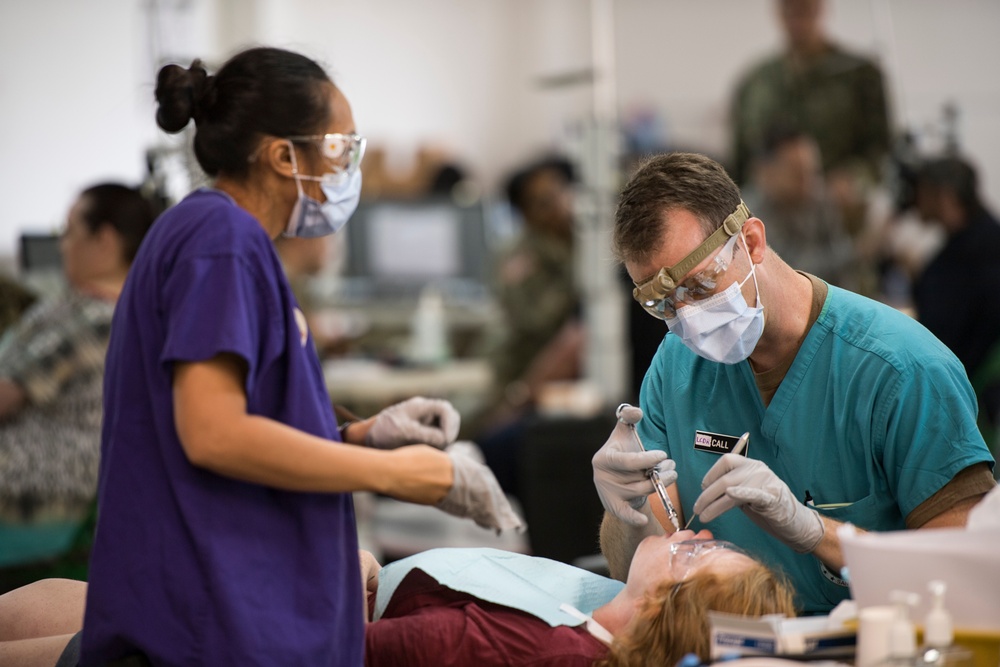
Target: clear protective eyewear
pixel 661 294
pixel 344 151
pixel 684 555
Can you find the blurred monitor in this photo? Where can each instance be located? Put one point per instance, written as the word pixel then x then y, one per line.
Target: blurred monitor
pixel 39 253
pixel 396 248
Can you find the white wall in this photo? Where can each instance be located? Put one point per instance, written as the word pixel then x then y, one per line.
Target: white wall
pixel 76 87
pixel 76 84
pixel 71 101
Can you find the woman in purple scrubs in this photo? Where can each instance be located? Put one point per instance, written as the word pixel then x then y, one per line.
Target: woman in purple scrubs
pixel 226 531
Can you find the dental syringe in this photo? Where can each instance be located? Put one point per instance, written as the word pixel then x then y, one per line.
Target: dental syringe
pixel 654 475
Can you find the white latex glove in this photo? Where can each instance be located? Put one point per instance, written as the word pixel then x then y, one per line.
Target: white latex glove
pixel 736 481
pixel 417 420
pixel 476 494
pixel 621 470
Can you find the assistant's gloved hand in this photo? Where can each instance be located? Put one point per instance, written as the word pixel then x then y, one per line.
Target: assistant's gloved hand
pixel 476 494
pixel 621 470
pixel 736 481
pixel 416 420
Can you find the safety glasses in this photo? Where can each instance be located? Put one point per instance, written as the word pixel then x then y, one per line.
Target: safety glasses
pixel 684 555
pixel 344 151
pixel 661 294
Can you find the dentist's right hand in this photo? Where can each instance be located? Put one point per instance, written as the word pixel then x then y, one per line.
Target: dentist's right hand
pixel 621 470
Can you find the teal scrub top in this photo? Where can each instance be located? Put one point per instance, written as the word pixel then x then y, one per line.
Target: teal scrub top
pixel 874 416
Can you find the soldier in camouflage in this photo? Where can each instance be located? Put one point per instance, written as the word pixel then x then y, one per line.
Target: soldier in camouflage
pixel 542 337
pixel 836 97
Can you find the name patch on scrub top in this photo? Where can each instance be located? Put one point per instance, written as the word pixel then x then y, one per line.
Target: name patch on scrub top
pixel 716 443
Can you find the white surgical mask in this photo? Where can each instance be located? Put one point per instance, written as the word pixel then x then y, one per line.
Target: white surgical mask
pixel 311 218
pixel 722 328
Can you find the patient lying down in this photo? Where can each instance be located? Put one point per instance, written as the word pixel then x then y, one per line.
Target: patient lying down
pixel 486 607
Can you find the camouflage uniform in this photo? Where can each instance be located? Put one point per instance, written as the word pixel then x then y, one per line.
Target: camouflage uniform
pixel 536 291
pixel 14 300
pixel 837 98
pixel 49 451
pixel 812 238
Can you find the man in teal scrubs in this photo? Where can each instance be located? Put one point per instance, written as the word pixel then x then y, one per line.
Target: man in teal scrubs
pixel 856 413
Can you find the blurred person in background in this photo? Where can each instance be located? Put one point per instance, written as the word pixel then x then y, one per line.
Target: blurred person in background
pixel 51 373
pixel 15 298
pixel 434 172
pixel 957 296
pixel 804 224
pixel 837 97
pixel 541 339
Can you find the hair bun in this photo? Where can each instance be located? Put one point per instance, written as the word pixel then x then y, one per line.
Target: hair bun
pixel 182 94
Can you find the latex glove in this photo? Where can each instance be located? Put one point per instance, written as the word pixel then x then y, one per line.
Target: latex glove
pixel 621 470
pixel 476 494
pixel 416 420
pixel 736 481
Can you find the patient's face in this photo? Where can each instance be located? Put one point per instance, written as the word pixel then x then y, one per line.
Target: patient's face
pixel 677 556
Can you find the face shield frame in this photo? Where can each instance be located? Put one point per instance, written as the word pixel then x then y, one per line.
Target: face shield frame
pixel 659 293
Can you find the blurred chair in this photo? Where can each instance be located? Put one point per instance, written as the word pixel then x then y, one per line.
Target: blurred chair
pixel 559 501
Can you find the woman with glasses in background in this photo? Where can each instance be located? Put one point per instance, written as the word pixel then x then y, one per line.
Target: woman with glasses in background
pixel 226 531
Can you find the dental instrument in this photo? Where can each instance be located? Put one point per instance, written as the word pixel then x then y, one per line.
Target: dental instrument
pixel 654 475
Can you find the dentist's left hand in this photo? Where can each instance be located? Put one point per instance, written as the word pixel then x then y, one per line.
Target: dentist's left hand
pixel 736 481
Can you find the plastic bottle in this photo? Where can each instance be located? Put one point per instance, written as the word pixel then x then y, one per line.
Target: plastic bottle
pixel 429 339
pixel 902 635
pixel 939 649
pixel 938 632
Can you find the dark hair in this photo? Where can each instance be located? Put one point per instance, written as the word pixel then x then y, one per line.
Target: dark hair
pixel 446 178
pixel 667 182
pixel 517 183
pixel 122 207
pixel 777 136
pixel 260 91
pixel 956 175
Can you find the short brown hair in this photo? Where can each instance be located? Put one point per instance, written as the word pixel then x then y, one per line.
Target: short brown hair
pixel 667 182
pixel 673 620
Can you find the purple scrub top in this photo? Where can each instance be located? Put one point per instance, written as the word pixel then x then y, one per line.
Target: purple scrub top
pixel 190 567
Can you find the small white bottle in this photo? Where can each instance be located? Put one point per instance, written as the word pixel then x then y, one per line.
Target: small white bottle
pixel 938 631
pixel 939 649
pixel 902 635
pixel 429 333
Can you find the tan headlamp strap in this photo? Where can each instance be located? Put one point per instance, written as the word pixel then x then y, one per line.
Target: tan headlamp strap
pixel 730 227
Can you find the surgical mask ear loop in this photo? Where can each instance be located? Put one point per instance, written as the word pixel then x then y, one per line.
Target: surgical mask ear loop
pixel 753 271
pixel 295 170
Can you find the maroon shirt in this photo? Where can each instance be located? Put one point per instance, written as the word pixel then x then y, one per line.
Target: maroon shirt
pixel 426 623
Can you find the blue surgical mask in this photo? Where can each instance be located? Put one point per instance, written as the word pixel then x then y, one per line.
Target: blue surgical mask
pixel 722 328
pixel 311 218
